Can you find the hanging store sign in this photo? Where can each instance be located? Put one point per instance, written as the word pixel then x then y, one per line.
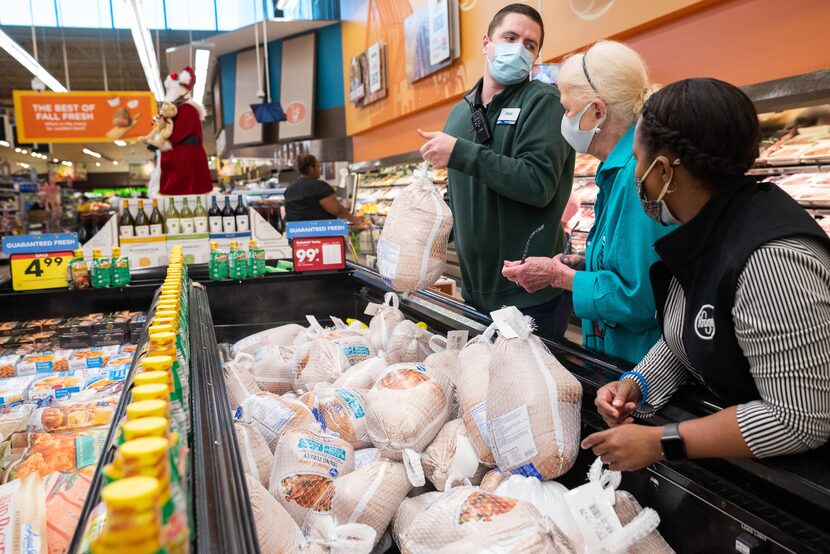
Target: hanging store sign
pixel 93 116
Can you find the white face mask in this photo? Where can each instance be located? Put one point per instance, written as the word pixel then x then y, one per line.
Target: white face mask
pixel 578 139
pixel 657 209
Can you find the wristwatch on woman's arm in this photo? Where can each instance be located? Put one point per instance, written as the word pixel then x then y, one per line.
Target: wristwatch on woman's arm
pixel 671 444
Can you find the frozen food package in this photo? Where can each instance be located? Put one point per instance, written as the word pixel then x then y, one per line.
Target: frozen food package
pixel 74 413
pixel 284 335
pixel 8 365
pixel 443 360
pixel 59 385
pixel 385 317
pixel 269 368
pixel 365 456
pixel 409 342
pixel 451 458
pixel 53 361
pixel 305 464
pixel 341 412
pixel 355 347
pixel 467 519
pixel 90 358
pixel 533 403
pixel 239 383
pixel 273 416
pixel 15 420
pixel 363 375
pixel 277 532
pixel 23 522
pixel 13 391
pixel 257 458
pixel 405 409
pixel 120 364
pixel 65 496
pixel 369 496
pixel 472 384
pixel 44 453
pixel 406 512
pixel 313 363
pixel 412 250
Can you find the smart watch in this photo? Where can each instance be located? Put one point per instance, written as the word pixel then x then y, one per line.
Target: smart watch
pixel 671 443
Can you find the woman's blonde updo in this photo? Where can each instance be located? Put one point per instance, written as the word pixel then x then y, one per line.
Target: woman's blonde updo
pixel 618 76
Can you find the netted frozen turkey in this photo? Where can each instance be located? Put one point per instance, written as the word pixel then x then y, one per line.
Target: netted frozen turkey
pixel 472 384
pixel 451 459
pixel 270 369
pixel 533 403
pixel 313 363
pixel 274 416
pixel 409 342
pixel 283 335
pixel 386 318
pixel 412 249
pixel 369 495
pixel 257 458
pixel 239 383
pixel 363 375
pixel 341 412
pixel 305 464
pixel 405 409
pixel 467 519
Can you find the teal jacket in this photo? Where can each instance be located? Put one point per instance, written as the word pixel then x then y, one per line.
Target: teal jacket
pixel 613 295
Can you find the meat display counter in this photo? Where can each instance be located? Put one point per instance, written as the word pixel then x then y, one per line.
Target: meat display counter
pixel 778 505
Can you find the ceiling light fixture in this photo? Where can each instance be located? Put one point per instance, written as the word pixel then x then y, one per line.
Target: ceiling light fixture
pixel 144 45
pixel 24 151
pixel 97 164
pixel 67 164
pixel 114 162
pixel 55 160
pixel 4 143
pixel 92 153
pixel 202 63
pixel 17 52
pixel 120 142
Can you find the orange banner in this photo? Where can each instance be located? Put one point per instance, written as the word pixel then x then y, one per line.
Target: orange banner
pixel 94 116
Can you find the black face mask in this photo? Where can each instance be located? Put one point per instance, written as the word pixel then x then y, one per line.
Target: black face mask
pixel 481 126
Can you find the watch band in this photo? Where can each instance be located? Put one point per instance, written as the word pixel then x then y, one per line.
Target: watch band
pixel 671 443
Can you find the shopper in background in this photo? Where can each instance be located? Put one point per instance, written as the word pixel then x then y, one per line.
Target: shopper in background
pixel 310 199
pixel 510 171
pixel 743 289
pixel 603 91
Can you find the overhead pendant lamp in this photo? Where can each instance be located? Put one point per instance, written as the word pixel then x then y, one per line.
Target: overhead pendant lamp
pixel 144 45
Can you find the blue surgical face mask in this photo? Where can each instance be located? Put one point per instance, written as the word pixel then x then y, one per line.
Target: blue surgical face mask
pixel 511 63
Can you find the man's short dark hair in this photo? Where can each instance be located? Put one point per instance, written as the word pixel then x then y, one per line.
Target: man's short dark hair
pixel 521 9
pixel 305 163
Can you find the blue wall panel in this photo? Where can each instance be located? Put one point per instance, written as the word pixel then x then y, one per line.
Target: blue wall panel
pixel 227 65
pixel 329 83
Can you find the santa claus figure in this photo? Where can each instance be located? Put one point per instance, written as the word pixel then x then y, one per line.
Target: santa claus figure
pixel 184 168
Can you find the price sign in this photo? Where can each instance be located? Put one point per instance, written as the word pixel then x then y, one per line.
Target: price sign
pixel 46 270
pixel 319 254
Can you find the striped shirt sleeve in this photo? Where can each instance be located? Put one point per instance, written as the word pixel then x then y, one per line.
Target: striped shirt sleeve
pixel 782 323
pixel 664 373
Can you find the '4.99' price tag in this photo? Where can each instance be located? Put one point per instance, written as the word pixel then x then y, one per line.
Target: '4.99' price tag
pixel 40 271
pixel 319 253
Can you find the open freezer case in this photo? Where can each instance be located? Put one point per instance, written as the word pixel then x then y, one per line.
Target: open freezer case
pixel 779 505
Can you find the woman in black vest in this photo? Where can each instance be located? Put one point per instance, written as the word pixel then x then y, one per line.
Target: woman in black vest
pixel 742 289
pixel 310 199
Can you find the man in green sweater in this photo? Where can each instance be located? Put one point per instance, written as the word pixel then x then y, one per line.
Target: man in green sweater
pixel 510 172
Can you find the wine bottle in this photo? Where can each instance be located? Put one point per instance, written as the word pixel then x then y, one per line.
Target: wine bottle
pixel 156 220
pixel 215 217
pixel 126 223
pixel 172 219
pixel 200 218
pixel 228 221
pixel 241 213
pixel 186 217
pixel 142 223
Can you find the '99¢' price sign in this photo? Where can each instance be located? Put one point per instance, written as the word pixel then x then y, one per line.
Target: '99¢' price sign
pixel 40 271
pixel 319 253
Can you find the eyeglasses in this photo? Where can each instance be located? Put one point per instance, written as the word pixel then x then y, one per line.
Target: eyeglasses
pixel 530 238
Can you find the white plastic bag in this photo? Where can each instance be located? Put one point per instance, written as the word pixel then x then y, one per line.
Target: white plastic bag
pixel 383 322
pixel 533 403
pixel 409 342
pixel 451 459
pixel 412 249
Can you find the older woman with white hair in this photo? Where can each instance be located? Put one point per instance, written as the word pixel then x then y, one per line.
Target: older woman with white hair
pixel 603 91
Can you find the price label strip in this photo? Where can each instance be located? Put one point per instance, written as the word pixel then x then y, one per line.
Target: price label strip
pixel 46 270
pixel 319 254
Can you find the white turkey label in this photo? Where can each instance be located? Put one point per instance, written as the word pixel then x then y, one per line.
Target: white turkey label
pixel 592 507
pixel 365 456
pixel 456 340
pixel 388 255
pixel 506 321
pixel 372 309
pixel 275 420
pixel 479 415
pixel 513 443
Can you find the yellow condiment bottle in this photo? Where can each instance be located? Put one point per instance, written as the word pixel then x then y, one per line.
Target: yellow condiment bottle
pixel 157 363
pixel 153 377
pixel 147 408
pixel 146 427
pixel 154 391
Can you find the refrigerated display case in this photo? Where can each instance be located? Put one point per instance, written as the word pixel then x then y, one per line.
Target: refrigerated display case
pixel 775 505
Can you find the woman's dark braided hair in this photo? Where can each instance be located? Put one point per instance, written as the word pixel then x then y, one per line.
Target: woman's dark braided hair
pixel 710 125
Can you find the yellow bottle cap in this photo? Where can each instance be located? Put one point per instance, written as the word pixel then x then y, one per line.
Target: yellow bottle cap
pixel 422 325
pixel 172 322
pixel 362 325
pixel 155 391
pixel 151 378
pixel 79 253
pixel 137 493
pixel 164 336
pixel 146 427
pixel 234 244
pixel 116 252
pixel 251 243
pixel 143 450
pixel 160 327
pixel 172 314
pixel 214 244
pixel 96 252
pixel 147 408
pixel 157 363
